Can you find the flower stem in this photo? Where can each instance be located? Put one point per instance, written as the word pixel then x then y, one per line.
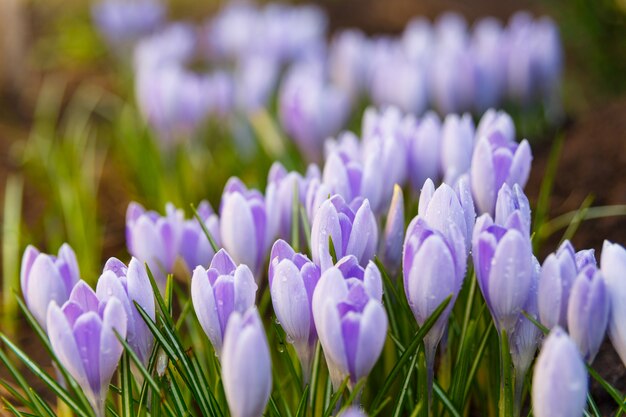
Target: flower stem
pixel 505 404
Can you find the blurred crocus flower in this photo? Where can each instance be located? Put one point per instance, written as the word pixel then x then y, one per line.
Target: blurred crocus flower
pixel 493 121
pixel 559 386
pixel 282 187
pixel 489 58
pixel 452 78
pixel 311 109
pixel 347 61
pixel 511 199
pixel 244 226
pixel 613 264
pixel 82 336
pixel 129 285
pixel 393 235
pixel 218 292
pixel 165 242
pixel 555 283
pixel 504 268
pixel 424 150
pixel 444 208
pixel 585 257
pixel 399 82
pixel 343 174
pixel 352 228
pixel 434 268
pixel 124 22
pixel 246 365
pixel 497 160
pixel 350 319
pixel 418 41
pixel 255 80
pixel 292 279
pixel 457 144
pixel 46 278
pixel 588 311
pixel 353 412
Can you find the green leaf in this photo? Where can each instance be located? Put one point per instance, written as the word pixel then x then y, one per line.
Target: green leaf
pixel 331 249
pixel 306 225
pixel 206 231
pixel 127 385
pixel 335 398
pixel 303 400
pixel 577 219
pixel 445 400
pixel 410 350
pixel 505 403
pixel 405 387
pixel 315 377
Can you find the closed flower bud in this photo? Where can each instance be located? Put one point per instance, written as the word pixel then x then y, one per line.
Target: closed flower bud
pixel 343 175
pixel 434 268
pixel 504 269
pixel 425 150
pixel 244 225
pixel 292 279
pixel 557 276
pixel 129 285
pixel 497 160
pixel 122 22
pixel 219 291
pixel 457 144
pixel 588 312
pixel 246 365
pixel 509 200
pixel 613 264
pixel 82 336
pixel 496 121
pixel 559 386
pixel 46 278
pixel 351 322
pixel 353 232
pixel 393 235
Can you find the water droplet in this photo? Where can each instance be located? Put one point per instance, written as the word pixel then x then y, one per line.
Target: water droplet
pixel 281 347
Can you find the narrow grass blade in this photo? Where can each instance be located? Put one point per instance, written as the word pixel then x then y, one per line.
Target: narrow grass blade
pixel 405 387
pixel 11 222
pixel 303 400
pixel 206 231
pixel 127 386
pixel 445 400
pixel 577 219
pixel 335 398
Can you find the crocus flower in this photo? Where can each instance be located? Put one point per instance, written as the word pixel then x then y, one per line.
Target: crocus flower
pixel 246 365
pixel 457 143
pixel 497 160
pixel 585 257
pixel 509 200
pixel 311 109
pixel 353 412
pixel 425 150
pixel 613 264
pixel 46 278
pixel 443 208
pixel 452 90
pixel 82 336
pixel 123 22
pixel 219 291
pixel 164 242
pixel 504 268
pixel 292 279
pixel 353 230
pixel 129 285
pixel 588 311
pixel 496 121
pixel 343 174
pixel 347 61
pixel 434 267
pixel 489 58
pixel 350 320
pixel 557 277
pixel 393 235
pixel 559 386
pixel 244 225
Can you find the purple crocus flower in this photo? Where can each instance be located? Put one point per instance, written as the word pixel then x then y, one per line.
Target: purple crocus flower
pixel 559 386
pixel 255 80
pixel 434 267
pixel 557 277
pixel 353 412
pixel 46 278
pixel 489 58
pixel 425 150
pixel 393 235
pixel 497 160
pixel 493 121
pixel 347 61
pixel 510 200
pixel 311 109
pixel 350 319
pixel 219 291
pixel 292 279
pixel 353 230
pixel 129 285
pixel 279 195
pixel 613 263
pixel 82 336
pixel 588 311
pixel 444 208
pixel 166 242
pixel 343 174
pixel 585 257
pixel 457 144
pixel 452 77
pixel 123 22
pixel 246 365
pixel 504 268
pixel 244 226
